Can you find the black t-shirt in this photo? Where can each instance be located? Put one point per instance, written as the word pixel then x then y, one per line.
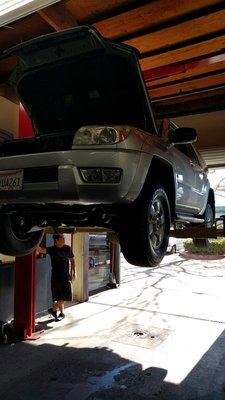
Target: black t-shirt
pixel 60 261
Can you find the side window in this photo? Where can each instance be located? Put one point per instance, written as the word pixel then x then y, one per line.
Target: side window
pixel 189 151
pixel 183 148
pixel 192 155
pixel 159 124
pixel 171 128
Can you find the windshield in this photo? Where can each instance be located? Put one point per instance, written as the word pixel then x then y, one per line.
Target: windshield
pixel 90 90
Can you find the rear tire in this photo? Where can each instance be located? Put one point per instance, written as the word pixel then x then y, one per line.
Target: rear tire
pixel 144 231
pixel 15 242
pixel 209 220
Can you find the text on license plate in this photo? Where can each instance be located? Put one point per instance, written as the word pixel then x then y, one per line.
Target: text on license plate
pixel 11 180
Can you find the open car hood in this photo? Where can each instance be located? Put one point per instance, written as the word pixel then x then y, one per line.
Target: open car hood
pixel 75 78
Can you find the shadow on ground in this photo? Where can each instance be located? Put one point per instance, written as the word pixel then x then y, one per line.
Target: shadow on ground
pixel 61 372
pixel 46 371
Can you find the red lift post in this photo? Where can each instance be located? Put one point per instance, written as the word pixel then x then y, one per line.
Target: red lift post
pixel 25 269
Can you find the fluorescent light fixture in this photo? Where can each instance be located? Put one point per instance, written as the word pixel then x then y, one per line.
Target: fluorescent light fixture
pixel 12 10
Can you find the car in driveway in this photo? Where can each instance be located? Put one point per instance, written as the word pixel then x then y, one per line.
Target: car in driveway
pixel 98 156
pixel 175 245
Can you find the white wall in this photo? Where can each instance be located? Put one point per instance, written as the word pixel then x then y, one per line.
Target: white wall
pixel 9 116
pixel 210 127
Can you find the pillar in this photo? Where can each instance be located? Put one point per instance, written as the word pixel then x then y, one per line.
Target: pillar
pixel 80 247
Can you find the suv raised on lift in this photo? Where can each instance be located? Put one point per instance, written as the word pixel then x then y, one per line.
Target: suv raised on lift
pixel 97 157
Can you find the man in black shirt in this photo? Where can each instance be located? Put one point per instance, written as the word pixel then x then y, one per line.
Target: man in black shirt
pixel 63 270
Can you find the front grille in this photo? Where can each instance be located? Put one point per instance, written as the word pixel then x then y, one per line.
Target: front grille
pixel 41 174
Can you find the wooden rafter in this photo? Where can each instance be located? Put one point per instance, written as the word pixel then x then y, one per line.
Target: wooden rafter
pixel 190 104
pixel 58 16
pixel 183 73
pixel 186 32
pixel 23 30
pixel 182 54
pixel 184 98
pixel 149 16
pixel 87 11
pixel 186 87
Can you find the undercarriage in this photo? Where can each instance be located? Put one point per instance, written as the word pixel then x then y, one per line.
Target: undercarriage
pixel 30 218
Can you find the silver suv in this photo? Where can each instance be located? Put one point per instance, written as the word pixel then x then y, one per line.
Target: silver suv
pixel 98 157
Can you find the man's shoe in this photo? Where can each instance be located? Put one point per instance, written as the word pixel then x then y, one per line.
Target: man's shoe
pixel 61 315
pixel 53 313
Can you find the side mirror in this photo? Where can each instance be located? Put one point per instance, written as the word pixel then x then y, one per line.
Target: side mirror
pixel 182 136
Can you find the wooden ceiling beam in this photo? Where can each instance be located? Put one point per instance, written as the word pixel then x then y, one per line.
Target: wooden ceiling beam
pixel 191 52
pixel 22 30
pixel 186 72
pixel 189 86
pixel 192 104
pixel 93 10
pixel 149 16
pixel 181 67
pixel 185 32
pixel 182 98
pixel 58 16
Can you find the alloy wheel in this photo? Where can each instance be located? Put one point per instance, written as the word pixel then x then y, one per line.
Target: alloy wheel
pixel 156 223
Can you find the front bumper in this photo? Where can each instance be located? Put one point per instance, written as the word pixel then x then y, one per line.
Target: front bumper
pixel 65 185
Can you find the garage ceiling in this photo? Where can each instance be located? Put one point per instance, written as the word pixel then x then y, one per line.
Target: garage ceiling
pixel 211 135
pixel 181 44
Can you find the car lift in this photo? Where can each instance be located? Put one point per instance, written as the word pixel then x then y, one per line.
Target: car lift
pixel 200 231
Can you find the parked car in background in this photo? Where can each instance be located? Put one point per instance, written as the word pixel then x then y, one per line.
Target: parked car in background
pixel 98 156
pixel 98 240
pixel 175 245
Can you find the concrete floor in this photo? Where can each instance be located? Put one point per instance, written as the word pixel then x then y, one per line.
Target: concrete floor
pixel 159 336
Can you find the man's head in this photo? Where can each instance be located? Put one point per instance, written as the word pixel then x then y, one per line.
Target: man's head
pixel 59 240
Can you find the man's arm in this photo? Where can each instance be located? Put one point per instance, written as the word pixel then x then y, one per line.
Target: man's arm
pixel 72 268
pixel 41 250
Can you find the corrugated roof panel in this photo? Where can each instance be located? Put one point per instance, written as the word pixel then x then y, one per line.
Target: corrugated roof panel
pixel 213 156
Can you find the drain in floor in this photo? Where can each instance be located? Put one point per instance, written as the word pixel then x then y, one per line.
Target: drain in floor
pixel 139 335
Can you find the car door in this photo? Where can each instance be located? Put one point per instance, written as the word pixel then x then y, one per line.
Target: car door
pixel 186 199
pixel 191 180
pixel 185 177
pixel 201 180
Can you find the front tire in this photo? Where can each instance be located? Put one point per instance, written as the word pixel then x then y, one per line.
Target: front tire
pixel 144 234
pixel 13 240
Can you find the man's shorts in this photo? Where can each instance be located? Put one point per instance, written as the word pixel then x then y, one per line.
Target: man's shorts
pixel 61 290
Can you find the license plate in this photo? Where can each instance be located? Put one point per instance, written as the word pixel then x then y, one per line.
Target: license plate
pixel 11 180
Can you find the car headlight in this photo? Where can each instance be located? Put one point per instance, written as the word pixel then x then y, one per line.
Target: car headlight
pixel 83 136
pixel 107 136
pixel 100 135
